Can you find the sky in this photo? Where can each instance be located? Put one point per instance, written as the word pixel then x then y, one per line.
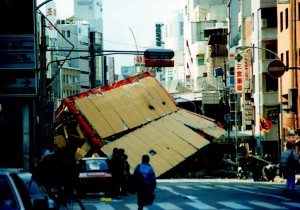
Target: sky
pixel 128 24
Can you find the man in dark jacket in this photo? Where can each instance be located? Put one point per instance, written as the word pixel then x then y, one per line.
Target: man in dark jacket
pixel 146 185
pixel 289 169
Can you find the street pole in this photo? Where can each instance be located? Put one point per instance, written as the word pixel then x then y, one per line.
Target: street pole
pixel 43 93
pixel 236 130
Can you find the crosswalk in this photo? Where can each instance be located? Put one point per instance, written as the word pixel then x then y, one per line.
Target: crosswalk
pixel 195 202
pixel 201 205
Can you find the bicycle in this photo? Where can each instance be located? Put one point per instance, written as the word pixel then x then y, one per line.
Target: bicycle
pixel 64 201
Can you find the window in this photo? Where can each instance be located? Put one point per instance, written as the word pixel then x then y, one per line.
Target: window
pixel 272 48
pixel 269 14
pixel 281 21
pixel 181 28
pixel 287 59
pixel 252 21
pixel 63 33
pixel 286 18
pixel 68 33
pixel 271 84
pixel 200 59
pixel 298 10
pixel 253 83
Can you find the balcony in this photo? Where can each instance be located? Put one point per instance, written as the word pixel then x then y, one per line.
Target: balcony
pixel 269 98
pixel 267 34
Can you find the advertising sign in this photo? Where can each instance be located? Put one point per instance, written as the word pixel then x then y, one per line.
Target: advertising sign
pixel 17 52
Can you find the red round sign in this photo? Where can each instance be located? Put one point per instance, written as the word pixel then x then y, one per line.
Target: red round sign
pixel 276 68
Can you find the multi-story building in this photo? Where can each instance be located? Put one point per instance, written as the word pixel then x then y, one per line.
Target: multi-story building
pixel 91 11
pixel 68 67
pixel 173 39
pixel 265 92
pixel 211 47
pixel 288 16
pixel 206 54
pixel 75 76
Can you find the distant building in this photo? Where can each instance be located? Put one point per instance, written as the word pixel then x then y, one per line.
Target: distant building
pixel 91 11
pixel 128 71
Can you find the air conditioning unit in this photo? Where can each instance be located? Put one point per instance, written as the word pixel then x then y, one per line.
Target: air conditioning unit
pixel 264 23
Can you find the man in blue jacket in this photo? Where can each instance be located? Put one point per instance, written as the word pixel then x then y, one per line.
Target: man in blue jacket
pixel 146 183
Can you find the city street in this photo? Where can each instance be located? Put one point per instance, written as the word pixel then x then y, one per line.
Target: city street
pixel 205 194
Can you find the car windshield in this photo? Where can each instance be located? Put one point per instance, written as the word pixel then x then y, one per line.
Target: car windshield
pixel 31 186
pixel 96 165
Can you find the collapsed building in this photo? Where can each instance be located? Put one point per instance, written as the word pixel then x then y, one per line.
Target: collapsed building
pixel 138 115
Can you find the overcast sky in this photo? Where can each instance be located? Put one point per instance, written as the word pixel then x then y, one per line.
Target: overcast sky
pixel 123 16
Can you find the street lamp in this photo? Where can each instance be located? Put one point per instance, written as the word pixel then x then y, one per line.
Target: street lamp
pixel 184 99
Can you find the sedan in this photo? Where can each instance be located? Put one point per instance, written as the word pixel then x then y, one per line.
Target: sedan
pixel 95 175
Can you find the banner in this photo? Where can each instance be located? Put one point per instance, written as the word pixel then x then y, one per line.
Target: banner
pixel 265 125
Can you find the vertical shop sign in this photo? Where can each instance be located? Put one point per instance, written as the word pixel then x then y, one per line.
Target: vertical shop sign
pixel 246 71
pixel 239 73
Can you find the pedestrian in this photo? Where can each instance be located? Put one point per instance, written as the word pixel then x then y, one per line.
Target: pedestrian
pixel 126 174
pixel 288 166
pixel 146 183
pixel 114 162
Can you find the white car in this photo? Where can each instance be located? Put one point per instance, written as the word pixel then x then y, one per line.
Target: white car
pixel 14 194
pixel 35 191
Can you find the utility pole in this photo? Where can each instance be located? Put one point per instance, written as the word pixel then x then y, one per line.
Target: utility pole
pixel 42 82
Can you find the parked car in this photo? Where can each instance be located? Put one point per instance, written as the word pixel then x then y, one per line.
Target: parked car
pixel 14 194
pixel 95 175
pixel 35 191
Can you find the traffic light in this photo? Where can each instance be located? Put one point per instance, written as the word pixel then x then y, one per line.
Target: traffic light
pixel 160 54
pixel 159 58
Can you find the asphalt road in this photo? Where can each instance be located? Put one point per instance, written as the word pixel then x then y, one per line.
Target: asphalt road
pixel 204 194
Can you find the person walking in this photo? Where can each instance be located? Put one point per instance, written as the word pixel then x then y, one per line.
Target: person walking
pixel 288 166
pixel 146 183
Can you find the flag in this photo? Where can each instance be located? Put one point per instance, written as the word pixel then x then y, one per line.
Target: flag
pixel 265 125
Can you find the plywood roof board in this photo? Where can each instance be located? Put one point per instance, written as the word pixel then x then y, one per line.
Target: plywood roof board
pixel 168 146
pixel 180 145
pixel 121 104
pixel 159 94
pixel 200 123
pixel 141 100
pixel 110 115
pixel 138 103
pixel 160 148
pixel 184 132
pixel 94 117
